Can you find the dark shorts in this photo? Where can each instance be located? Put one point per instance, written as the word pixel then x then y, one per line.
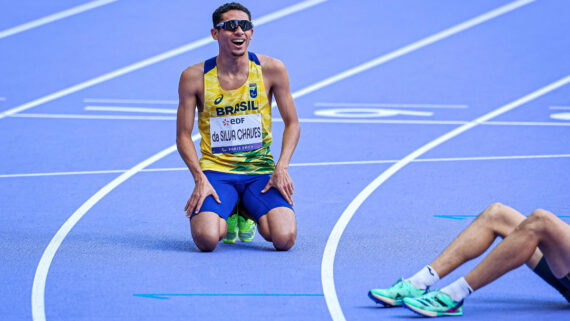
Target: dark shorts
pixel 566 281
pixel 247 188
pixel 562 284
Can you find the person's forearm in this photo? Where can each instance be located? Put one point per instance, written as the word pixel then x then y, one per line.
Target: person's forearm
pixel 188 153
pixel 290 139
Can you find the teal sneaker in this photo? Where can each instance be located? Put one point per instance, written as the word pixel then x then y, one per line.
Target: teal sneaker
pixel 434 304
pixel 231 234
pixel 393 296
pixel 246 228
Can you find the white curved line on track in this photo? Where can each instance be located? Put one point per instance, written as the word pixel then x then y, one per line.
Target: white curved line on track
pixel 334 237
pixel 327 276
pixel 38 303
pixel 54 17
pixel 38 288
pixel 40 277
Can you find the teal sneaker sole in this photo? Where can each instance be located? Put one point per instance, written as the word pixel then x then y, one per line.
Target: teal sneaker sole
pixel 426 313
pixel 386 302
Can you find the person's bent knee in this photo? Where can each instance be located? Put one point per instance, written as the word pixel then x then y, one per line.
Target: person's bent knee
pixel 206 245
pixel 494 216
pixel 538 221
pixel 283 241
pixel 494 212
pixel 541 214
pixel 205 242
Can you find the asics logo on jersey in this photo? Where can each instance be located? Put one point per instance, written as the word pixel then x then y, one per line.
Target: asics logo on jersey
pixel 219 99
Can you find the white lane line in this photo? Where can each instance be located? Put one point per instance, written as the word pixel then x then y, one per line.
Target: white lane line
pixel 38 303
pixel 368 112
pixel 379 121
pixel 560 107
pixel 420 44
pixel 424 122
pixel 54 17
pixel 524 123
pixel 435 160
pixel 334 237
pixel 80 116
pixel 482 158
pixel 301 120
pixel 367 162
pixel 129 101
pixel 38 288
pixel 561 116
pixel 131 109
pixel 386 105
pixel 63 173
pixel 40 277
pixel 152 60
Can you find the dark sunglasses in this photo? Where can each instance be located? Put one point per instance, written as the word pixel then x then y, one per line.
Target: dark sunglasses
pixel 232 25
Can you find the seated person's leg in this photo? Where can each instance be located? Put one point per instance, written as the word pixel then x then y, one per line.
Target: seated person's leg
pixel 542 229
pixel 554 235
pixel 496 220
pixel 275 217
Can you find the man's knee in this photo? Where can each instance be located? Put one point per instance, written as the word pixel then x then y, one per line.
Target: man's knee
pixel 495 213
pixel 207 230
pixel 283 241
pixel 206 242
pixel 538 221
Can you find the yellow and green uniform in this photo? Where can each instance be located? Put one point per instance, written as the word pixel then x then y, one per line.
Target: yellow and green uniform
pixel 235 125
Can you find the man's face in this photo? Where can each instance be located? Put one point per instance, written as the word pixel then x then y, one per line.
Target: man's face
pixel 234 42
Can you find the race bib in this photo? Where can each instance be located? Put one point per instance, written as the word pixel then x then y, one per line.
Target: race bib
pixel 233 134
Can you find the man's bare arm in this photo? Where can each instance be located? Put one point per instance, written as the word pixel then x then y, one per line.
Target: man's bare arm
pixel 278 79
pixel 190 86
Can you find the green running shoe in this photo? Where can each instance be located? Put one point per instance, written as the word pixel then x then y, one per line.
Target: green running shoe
pixel 434 304
pixel 231 234
pixel 247 229
pixel 393 296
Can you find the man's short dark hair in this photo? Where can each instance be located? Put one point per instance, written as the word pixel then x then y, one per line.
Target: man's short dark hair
pixel 217 15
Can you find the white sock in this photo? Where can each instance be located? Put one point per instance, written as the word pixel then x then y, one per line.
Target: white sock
pixel 424 278
pixel 458 290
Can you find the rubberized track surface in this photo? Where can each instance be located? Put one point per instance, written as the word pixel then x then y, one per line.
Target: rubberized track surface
pixel 415 116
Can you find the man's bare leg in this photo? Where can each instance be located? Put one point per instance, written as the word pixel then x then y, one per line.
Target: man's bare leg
pixel 496 220
pixel 279 227
pixel 207 230
pixel 542 229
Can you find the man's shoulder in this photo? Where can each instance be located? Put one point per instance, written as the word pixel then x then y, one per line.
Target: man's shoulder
pixel 270 64
pixel 192 79
pixel 194 71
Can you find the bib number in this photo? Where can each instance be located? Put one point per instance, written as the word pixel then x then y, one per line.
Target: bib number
pixel 232 134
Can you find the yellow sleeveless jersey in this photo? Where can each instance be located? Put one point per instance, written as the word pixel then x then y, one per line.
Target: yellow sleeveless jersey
pixel 235 125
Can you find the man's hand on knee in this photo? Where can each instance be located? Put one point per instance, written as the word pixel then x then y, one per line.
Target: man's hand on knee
pixel 202 190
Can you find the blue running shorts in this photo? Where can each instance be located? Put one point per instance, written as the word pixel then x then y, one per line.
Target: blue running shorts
pixel 231 187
